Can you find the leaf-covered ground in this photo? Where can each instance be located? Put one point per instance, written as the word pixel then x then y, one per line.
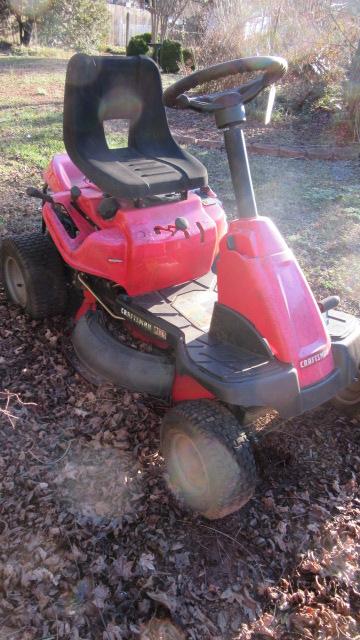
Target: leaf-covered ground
pixel 92 544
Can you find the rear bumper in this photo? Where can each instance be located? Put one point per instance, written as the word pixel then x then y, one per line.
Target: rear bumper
pixel 346 353
pixel 276 384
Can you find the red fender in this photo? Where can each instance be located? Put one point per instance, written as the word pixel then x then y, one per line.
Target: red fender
pixel 259 277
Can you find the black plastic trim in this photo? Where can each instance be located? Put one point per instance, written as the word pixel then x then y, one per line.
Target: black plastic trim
pixel 346 354
pixel 230 326
pixel 276 386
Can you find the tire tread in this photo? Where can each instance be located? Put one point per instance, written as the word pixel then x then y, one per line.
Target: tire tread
pixel 43 272
pixel 215 422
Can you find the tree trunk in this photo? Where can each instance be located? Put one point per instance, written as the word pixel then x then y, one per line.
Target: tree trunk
pixel 25 30
pixel 154 21
pixel 353 93
pixel 164 24
pixel 154 27
pixel 28 26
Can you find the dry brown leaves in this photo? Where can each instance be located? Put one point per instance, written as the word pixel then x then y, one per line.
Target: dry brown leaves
pixel 93 546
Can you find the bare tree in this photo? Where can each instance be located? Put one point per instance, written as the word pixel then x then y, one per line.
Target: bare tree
pixel 167 12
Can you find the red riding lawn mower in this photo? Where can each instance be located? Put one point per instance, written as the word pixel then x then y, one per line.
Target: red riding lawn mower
pixel 231 319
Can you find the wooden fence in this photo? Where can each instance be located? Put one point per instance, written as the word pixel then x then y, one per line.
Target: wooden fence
pixel 127 22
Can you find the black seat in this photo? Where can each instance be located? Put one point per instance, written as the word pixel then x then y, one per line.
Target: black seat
pixel 102 88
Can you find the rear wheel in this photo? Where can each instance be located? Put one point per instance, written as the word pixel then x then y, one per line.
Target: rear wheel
pixel 33 274
pixel 209 459
pixel 348 401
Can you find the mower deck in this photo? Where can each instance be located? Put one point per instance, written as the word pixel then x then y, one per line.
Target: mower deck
pixel 222 351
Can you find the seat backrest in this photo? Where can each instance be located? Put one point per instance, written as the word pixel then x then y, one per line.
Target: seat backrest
pixel 100 88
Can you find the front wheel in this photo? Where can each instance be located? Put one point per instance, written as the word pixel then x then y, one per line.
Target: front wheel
pixel 348 400
pixel 209 459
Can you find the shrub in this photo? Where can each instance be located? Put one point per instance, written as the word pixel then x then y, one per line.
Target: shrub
pixel 82 25
pixel 170 56
pixel 137 46
pixel 147 37
pixel 114 50
pixel 189 59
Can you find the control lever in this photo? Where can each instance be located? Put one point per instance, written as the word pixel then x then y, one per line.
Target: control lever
pixel 75 193
pixel 328 303
pixel 41 195
pixel 181 224
pixel 108 207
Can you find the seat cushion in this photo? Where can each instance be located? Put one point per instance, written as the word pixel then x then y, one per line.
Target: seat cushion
pixel 100 88
pixel 127 173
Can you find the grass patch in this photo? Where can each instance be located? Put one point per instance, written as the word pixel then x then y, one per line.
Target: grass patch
pixel 32 137
pixel 17 51
pixel 115 51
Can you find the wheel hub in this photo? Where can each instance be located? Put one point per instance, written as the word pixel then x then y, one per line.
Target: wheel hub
pixel 15 281
pixel 188 464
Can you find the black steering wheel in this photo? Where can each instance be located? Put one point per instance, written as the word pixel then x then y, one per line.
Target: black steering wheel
pixel 275 68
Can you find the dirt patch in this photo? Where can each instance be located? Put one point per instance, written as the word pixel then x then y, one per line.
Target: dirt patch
pixel 315 139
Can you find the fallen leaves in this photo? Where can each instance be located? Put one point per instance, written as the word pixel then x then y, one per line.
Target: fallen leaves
pixel 168 601
pixel 309 564
pixel 161 630
pixel 146 563
pixel 100 594
pixel 93 545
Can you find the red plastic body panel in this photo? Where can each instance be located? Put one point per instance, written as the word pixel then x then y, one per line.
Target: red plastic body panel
pixel 62 174
pixel 186 388
pixel 128 249
pixel 260 278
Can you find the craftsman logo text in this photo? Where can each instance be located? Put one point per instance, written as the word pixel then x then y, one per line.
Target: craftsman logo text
pixel 313 359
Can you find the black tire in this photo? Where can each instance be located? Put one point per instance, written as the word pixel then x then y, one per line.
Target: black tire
pixel 209 460
pixel 33 274
pixel 347 401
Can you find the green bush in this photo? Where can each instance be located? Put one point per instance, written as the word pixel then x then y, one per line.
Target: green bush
pixel 114 50
pixel 146 37
pixel 170 56
pixel 137 46
pixel 82 25
pixel 189 59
